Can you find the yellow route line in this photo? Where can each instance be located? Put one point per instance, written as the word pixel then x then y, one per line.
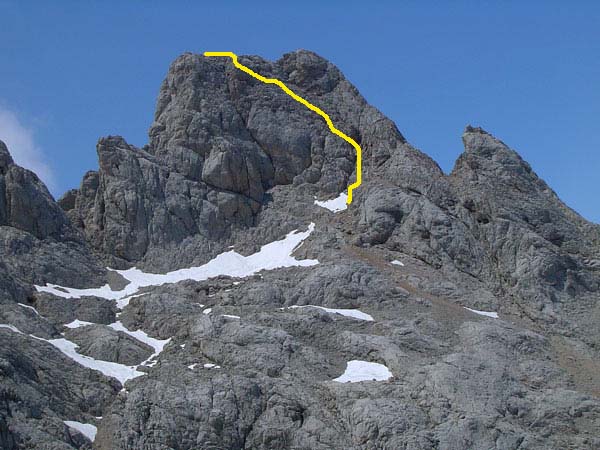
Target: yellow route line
pixel 310 106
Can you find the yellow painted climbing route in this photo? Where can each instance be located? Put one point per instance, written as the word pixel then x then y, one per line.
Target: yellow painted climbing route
pixel 310 106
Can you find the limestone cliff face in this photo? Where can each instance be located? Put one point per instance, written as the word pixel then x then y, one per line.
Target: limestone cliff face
pixel 38 242
pixel 219 142
pixel 26 204
pixel 232 162
pixel 495 221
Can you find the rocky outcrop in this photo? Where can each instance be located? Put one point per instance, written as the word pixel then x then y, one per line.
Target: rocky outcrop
pixel 516 212
pixel 106 344
pixel 38 244
pixel 492 223
pixel 40 388
pixel 26 204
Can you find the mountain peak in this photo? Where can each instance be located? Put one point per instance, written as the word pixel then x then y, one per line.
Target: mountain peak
pixel 5 158
pixel 471 129
pixel 482 281
pixel 479 141
pixel 486 153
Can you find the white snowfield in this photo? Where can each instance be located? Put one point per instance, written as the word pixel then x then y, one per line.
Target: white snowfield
pixel 29 307
pixel 157 344
pixel 354 313
pixel 206 366
pixel 87 429
pixel 335 204
pixel 111 369
pixel 119 371
pixel 397 263
pixel 271 256
pixel 78 324
pixel 493 315
pixel 357 371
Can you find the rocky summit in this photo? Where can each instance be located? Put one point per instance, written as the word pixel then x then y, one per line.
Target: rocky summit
pixel 201 293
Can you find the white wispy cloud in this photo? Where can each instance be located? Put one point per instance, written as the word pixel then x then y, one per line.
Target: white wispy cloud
pixel 20 141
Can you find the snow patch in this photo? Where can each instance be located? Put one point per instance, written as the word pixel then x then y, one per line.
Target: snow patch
pixel 271 256
pixel 357 371
pixel 78 323
pixel 354 313
pixel 119 371
pixel 111 369
pixel 11 328
pixel 123 302
pixel 397 263
pixel 335 204
pixel 29 307
pixel 493 315
pixel 230 316
pixel 206 366
pixel 87 429
pixel 65 292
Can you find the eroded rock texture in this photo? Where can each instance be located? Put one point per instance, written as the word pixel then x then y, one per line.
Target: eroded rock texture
pixel 234 162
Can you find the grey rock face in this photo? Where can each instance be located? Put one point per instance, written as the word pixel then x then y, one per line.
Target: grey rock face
pixel 40 387
pixel 459 380
pixel 134 203
pixel 232 162
pixel 219 141
pixel 26 203
pixel 38 244
pixel 60 311
pixel 27 320
pixel 479 224
pixel 104 343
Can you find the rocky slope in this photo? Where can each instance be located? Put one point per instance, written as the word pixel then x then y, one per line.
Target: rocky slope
pixel 251 350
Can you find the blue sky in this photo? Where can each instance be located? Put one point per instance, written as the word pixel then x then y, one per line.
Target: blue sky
pixel 528 72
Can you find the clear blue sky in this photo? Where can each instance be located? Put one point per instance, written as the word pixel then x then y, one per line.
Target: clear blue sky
pixel 529 72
